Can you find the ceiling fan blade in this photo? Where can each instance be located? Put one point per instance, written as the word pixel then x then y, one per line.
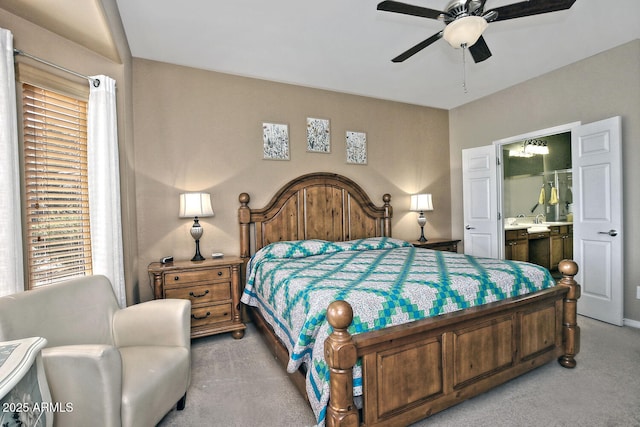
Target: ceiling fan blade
pixel 479 50
pixel 417 48
pixel 528 8
pixel 408 9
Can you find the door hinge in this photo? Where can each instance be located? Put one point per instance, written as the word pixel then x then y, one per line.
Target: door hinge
pixel 498 161
pixel 499 216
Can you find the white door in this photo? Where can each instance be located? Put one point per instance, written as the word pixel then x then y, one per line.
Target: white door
pixel 598 227
pixel 480 201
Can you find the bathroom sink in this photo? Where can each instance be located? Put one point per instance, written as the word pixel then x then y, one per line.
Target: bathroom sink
pixel 515 226
pixel 538 229
pixel 557 223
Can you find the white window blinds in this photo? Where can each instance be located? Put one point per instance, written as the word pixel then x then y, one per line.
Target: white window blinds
pixel 56 194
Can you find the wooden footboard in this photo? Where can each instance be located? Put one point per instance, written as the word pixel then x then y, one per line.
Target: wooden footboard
pixel 414 370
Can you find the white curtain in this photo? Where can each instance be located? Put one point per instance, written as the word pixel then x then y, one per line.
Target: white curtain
pixel 104 185
pixel 11 264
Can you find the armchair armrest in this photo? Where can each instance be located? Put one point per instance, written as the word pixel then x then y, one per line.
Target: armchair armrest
pixel 158 322
pixel 86 382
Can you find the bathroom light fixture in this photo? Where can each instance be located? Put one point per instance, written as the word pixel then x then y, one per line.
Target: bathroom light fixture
pixel 421 203
pixel 536 146
pixel 530 148
pixel 519 153
pixel 196 205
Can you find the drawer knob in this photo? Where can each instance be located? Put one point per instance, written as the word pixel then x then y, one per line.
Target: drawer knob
pixel 219 273
pixel 176 278
pixel 198 296
pixel 193 316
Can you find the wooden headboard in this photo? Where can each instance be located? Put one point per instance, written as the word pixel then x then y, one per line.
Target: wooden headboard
pixel 320 205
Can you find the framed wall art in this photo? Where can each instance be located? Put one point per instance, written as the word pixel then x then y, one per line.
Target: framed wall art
pixel 275 138
pixel 356 148
pixel 318 135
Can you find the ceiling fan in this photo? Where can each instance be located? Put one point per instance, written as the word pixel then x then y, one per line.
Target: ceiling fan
pixel 466 20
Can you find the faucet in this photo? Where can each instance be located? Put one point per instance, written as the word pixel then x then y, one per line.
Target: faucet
pixel 537 219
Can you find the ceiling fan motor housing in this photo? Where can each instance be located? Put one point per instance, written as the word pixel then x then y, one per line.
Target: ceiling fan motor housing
pixel 459 8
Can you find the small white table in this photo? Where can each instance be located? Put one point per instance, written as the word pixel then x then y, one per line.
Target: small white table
pixel 24 392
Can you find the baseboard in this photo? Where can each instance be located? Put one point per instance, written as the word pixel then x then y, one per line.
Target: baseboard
pixel 631 322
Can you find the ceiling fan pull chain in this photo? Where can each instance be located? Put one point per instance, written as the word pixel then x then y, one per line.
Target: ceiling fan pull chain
pixel 464 68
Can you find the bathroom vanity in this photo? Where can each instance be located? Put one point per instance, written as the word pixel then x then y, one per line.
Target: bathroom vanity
pixel 544 244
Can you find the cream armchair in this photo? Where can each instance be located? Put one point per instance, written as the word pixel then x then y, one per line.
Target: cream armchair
pixel 111 366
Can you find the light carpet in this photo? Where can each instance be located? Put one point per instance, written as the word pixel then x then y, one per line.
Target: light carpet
pixel 239 383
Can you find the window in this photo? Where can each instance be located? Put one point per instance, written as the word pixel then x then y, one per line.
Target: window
pixel 57 233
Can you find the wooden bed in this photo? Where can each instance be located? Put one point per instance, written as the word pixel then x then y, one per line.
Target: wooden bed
pixel 416 369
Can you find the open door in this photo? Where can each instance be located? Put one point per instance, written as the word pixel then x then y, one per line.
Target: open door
pixel 480 201
pixel 598 226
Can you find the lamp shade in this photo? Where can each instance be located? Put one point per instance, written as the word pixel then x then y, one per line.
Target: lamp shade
pixel 464 31
pixel 421 202
pixel 195 204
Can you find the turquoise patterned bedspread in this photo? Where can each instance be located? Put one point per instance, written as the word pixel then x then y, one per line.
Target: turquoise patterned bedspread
pixel 386 281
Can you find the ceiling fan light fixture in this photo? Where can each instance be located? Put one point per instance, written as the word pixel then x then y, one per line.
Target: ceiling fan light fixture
pixel 465 31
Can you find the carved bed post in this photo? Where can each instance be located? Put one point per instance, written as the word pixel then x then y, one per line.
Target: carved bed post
pixel 244 219
pixel 571 334
pixel 388 214
pixel 340 355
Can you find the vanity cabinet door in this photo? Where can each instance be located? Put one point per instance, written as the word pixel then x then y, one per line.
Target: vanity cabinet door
pixel 561 244
pixel 557 248
pixel 568 243
pixel 516 245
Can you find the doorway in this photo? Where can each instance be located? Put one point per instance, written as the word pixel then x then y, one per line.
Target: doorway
pixel 596 182
pixel 526 184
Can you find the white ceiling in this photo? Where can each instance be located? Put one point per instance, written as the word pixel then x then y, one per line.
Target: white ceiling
pixel 347 45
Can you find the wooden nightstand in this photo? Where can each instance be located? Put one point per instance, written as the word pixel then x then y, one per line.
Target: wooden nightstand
pixel 212 285
pixel 438 244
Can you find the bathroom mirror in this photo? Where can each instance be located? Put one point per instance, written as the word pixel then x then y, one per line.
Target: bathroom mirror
pixel 537 178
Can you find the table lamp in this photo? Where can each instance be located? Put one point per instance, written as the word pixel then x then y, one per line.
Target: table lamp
pixel 421 203
pixel 196 205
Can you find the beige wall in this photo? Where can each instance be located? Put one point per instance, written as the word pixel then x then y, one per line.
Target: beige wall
pixel 596 88
pixel 198 130
pixel 53 48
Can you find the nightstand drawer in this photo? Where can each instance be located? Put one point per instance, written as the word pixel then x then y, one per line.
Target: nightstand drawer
pixel 202 294
pixel 210 314
pixel 181 278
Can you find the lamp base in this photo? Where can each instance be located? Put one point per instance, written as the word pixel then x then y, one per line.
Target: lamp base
pixel 198 256
pixel 422 238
